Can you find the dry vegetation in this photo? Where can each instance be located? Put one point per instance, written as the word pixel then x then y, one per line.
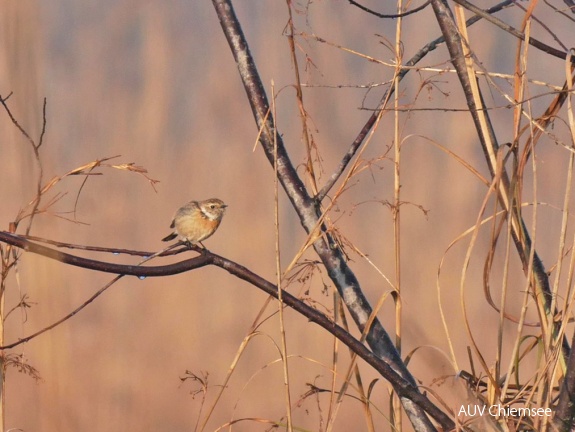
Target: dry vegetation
pixel 407 181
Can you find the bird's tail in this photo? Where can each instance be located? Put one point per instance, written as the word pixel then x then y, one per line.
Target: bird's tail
pixel 170 237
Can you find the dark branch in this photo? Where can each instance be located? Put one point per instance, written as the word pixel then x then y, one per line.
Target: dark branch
pixel 356 144
pixel 509 29
pixel 106 267
pixel 402 386
pixel 309 213
pixel 521 237
pixel 392 16
pixel 565 411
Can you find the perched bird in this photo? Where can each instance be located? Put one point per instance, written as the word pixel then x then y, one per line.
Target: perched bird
pixel 197 220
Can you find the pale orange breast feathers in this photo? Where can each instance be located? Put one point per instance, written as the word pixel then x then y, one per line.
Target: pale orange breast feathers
pixel 196 227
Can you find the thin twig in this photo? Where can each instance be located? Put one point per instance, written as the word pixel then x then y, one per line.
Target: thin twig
pixel 357 142
pixel 391 16
pixel 308 209
pixel 404 388
pixel 511 30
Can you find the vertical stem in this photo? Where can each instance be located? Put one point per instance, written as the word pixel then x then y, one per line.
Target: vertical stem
pixel 5 259
pixel 397 201
pixel 279 278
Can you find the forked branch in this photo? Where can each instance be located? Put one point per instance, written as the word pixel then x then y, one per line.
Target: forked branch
pixel 309 213
pixel 404 388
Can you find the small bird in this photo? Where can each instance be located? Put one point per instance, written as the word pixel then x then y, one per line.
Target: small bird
pixel 197 220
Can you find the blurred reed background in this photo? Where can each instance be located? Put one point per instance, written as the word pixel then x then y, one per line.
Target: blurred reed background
pixel 155 83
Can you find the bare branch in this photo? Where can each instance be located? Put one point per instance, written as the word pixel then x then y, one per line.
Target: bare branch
pixel 403 387
pixel 309 212
pixel 532 265
pixel 509 29
pixel 356 144
pixel 36 150
pixel 392 16
pixel 565 412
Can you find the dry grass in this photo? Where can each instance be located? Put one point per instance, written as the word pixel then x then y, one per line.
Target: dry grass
pixel 444 247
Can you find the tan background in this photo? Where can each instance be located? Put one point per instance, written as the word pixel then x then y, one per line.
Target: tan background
pixel 155 83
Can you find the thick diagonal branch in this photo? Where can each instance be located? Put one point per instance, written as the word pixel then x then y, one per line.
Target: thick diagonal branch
pixel 403 387
pixel 309 213
pixel 490 148
pixel 532 265
pixel 371 121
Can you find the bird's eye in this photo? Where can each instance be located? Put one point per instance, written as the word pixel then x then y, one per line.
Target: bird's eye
pixel 212 206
